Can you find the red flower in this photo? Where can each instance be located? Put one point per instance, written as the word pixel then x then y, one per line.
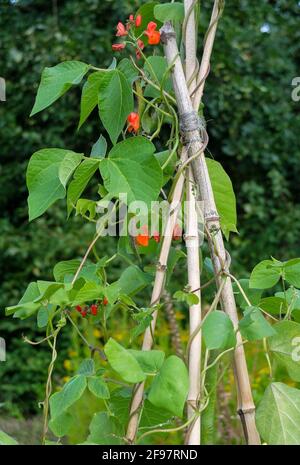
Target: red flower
pixel 131 18
pixel 133 122
pixel 121 30
pixel 94 309
pixel 141 46
pixel 156 236
pixel 152 34
pixel 143 239
pixel 138 20
pixel 105 301
pixel 118 47
pixel 177 233
pixel 83 313
pixel 78 308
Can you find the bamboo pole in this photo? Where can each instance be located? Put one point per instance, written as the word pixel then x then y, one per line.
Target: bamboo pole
pixel 138 393
pixel 193 435
pixel 194 144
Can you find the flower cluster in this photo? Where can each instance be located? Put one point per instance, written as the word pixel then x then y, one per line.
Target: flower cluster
pixel 90 309
pixel 124 30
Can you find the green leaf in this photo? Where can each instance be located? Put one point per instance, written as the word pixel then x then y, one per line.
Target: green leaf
pixel 285 347
pixel 143 324
pixel 89 96
pixel 264 275
pixel 150 361
pixel 47 174
pixel 273 305
pixel 47 289
pixel 156 68
pixel 254 295
pixel 224 196
pixel 188 297
pixel 115 102
pixel 133 280
pixel 168 172
pixel 90 291
pixel 6 440
pixel 71 392
pixel 292 272
pixel 43 316
pixel 129 71
pixel 86 208
pixel 105 430
pixel 169 12
pixel 87 367
pixel 218 331
pixel 68 267
pixel 254 326
pixel 98 387
pixel 169 388
pixel 68 166
pixel 123 362
pixel 99 148
pixel 82 176
pixel 61 425
pixel 131 168
pixel 26 304
pixel 56 81
pixel 278 415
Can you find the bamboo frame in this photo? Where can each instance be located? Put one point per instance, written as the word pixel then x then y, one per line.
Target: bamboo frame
pixel 193 434
pixel 246 408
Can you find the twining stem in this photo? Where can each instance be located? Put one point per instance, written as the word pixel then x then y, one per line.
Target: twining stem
pixel 49 384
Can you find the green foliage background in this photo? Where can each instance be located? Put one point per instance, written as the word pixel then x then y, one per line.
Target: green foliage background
pixel 253 124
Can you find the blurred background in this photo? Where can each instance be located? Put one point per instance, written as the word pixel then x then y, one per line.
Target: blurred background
pixel 254 129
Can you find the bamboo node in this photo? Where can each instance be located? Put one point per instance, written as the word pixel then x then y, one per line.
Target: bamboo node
pixel 244 411
pixel 161 267
pixel 166 33
pixel 191 121
pixel 212 217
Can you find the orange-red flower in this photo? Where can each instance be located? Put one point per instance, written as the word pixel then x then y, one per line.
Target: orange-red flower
pixel 133 122
pixel 105 301
pixel 118 47
pixel 141 46
pixel 121 30
pixel 94 309
pixel 138 20
pixel 143 238
pixel 152 34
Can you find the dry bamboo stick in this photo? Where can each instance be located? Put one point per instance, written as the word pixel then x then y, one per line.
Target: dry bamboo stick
pixel 194 144
pixel 137 398
pixel 193 435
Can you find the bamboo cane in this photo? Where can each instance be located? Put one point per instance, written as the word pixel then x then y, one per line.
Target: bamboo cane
pixel 193 435
pixel 137 398
pixel 194 144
